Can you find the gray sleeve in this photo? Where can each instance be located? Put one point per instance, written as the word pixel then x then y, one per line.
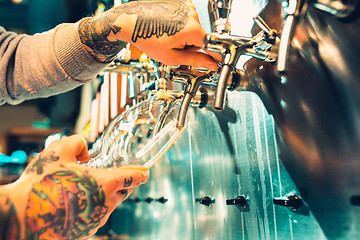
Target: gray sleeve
pixel 43 64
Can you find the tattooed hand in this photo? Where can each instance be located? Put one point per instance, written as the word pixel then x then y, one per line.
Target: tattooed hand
pixel 56 198
pixel 167 31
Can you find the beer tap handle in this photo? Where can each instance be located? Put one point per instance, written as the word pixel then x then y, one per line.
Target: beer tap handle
pixel 161 82
pixel 220 10
pixel 262 24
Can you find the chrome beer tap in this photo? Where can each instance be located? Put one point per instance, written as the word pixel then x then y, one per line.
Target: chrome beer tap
pixel 294 10
pixel 220 10
pixel 192 79
pixel 262 46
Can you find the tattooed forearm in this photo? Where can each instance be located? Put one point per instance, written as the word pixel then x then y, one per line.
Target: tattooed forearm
pixel 154 18
pixel 94 33
pixel 9 224
pixel 40 162
pixel 64 205
pixel 157 18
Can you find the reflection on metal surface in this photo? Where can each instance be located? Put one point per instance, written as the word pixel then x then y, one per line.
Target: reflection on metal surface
pixel 219 158
pixel 206 201
pixel 316 110
pixel 297 9
pixel 294 202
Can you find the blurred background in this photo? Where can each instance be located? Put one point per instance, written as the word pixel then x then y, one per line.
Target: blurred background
pixel 281 161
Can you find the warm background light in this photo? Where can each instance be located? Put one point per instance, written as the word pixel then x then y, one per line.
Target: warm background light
pixel 17 1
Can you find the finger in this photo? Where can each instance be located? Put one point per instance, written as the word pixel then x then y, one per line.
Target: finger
pixel 117 179
pixel 83 156
pixel 197 36
pixel 197 42
pixel 215 55
pixel 78 147
pixel 72 147
pixel 195 59
pixel 122 195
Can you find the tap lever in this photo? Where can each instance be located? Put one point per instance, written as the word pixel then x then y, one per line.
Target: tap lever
pixel 185 74
pixel 270 34
pixel 262 24
pixel 220 10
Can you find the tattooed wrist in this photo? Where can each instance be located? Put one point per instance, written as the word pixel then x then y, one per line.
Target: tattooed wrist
pixel 94 34
pixel 153 18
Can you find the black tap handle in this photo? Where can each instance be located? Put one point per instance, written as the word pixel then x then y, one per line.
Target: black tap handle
pixel 293 202
pixel 238 201
pixel 207 201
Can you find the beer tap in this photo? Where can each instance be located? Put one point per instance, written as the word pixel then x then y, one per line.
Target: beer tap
pixel 220 10
pixel 294 9
pixel 262 46
pixel 161 82
pixel 192 79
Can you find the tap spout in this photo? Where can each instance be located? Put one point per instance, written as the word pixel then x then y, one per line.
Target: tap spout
pixel 224 75
pixel 231 48
pixel 189 94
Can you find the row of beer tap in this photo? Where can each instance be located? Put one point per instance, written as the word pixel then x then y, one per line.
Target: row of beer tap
pixel 291 201
pixel 204 88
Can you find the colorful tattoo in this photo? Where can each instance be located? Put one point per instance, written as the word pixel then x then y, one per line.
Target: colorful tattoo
pixel 154 18
pixel 64 205
pixel 9 224
pixel 40 162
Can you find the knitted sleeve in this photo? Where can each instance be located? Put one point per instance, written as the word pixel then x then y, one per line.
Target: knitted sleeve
pixel 43 64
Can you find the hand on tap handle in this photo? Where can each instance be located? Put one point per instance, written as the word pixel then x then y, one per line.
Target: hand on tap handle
pixel 167 31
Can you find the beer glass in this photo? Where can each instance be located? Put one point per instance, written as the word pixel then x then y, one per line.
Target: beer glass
pixel 141 135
